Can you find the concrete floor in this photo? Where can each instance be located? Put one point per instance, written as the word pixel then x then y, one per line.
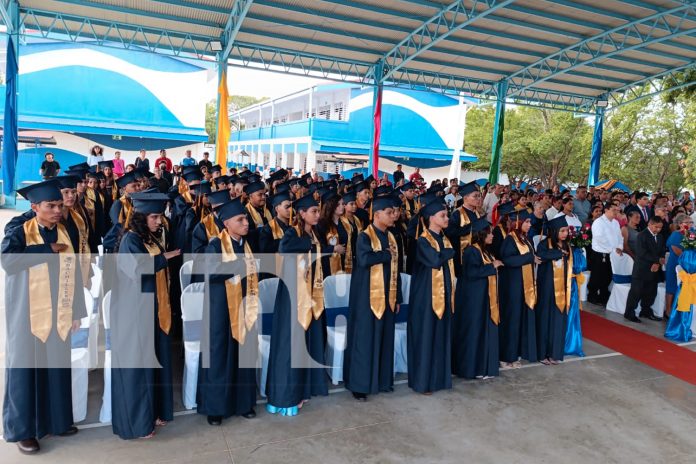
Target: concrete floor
pixel 603 408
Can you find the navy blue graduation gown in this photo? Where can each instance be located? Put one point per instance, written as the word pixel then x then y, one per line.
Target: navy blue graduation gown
pixel 139 396
pixel 429 338
pixel 100 220
pixel 199 236
pixel 364 215
pixel 287 386
pixel 38 400
pixel 225 388
pixel 368 364
pixel 550 321
pixel 254 231
pixel 267 244
pixel 327 248
pixel 498 238
pixel 474 334
pixel 399 232
pixel 455 232
pixel 517 328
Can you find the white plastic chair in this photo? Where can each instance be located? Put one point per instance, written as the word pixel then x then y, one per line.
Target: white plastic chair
pixel 93 309
pixel 400 332
pixel 192 302
pixel 105 412
pixel 185 273
pixel 623 266
pixel 267 295
pixel 336 296
pixel 536 240
pixel 80 361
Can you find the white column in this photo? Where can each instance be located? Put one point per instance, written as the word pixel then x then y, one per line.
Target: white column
pixel 311 99
pixel 311 158
pixel 296 166
pixel 455 171
pixel 283 157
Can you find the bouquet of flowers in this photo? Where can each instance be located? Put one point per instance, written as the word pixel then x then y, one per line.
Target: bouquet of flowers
pixel 581 238
pixel 689 240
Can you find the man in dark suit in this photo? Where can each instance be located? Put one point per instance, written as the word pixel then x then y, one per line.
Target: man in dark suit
pixel 650 256
pixel 398 175
pixel 643 207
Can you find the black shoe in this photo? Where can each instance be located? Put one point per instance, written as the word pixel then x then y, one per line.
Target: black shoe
pixel 215 420
pixel 29 446
pixel 387 390
pixel 651 316
pixel 360 396
pixel 71 431
pixel 632 318
pixel 249 415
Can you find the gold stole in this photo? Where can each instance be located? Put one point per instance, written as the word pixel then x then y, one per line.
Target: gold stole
pixel 438 276
pixel 407 207
pixel 277 232
pixel 90 206
pixel 211 229
pixel 562 282
pixel 40 304
pixel 126 211
pixel 335 264
pixel 464 220
pixel 256 217
pixel 492 287
pixel 377 302
pixel 243 312
pixel 348 267
pixel 164 309
pixel 528 283
pixel 502 231
pixel 356 222
pixel 84 251
pixel 310 292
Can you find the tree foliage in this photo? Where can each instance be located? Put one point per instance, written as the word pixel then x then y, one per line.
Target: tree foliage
pixel 236 103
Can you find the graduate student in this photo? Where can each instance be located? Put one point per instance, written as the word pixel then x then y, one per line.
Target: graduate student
pixel 459 228
pixel 210 224
pixel 44 304
pixel 517 294
pixel 296 357
pixel 477 310
pixel 227 377
pixel 553 289
pixel 272 233
pixel 432 302
pixel 141 316
pixel 335 234
pixel 257 212
pixel 368 366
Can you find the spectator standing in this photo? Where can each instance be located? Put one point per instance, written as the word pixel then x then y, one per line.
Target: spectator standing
pixel 643 207
pixel 650 256
pixel 205 162
pixel 95 155
pixel 188 159
pixel 49 167
pixel 163 159
pixel 491 199
pixel 581 207
pixel 606 237
pixel 398 175
pixel 141 162
pixel 119 165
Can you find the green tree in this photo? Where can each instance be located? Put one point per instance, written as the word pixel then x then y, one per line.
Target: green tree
pixel 551 146
pixel 236 103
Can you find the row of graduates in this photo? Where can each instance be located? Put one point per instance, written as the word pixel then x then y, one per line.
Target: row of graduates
pixel 203 220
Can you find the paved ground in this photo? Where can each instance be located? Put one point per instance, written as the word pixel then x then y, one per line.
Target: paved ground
pixel 602 408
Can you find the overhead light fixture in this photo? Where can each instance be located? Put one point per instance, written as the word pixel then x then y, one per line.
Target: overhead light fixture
pixel 216 45
pixel 602 103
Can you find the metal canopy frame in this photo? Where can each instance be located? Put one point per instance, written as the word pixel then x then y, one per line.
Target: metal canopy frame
pixel 562 54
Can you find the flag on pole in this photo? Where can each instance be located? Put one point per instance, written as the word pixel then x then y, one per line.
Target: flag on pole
pixel 377 123
pixel 222 137
pixel 9 141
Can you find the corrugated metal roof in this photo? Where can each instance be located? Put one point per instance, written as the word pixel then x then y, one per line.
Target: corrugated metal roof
pixel 537 44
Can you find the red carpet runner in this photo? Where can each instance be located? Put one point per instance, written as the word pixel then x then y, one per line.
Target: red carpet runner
pixel 658 353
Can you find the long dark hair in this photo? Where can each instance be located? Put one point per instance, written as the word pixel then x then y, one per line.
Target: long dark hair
pixel 555 243
pixel 94 148
pixel 138 225
pixel 327 211
pixel 479 238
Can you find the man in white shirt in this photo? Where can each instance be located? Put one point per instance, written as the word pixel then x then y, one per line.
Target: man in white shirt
pixel 556 207
pixel 492 198
pixel 453 197
pixel 606 237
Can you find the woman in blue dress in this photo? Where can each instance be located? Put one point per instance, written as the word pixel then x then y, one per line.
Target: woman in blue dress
pixel 682 222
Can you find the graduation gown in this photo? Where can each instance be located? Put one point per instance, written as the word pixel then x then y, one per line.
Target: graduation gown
pixel 268 244
pixel 200 238
pixel 399 232
pixel 364 215
pixel 327 247
pixel 498 236
pixel 551 321
pixel 455 232
pixel 517 329
pixel 38 399
pixel 225 388
pixel 368 364
pixel 413 229
pixel 99 226
pixel 474 333
pixel 287 386
pixel 429 337
pixel 255 229
pixel 139 395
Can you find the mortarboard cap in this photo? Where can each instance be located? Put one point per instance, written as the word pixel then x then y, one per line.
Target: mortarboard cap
pixel 349 197
pixel 433 208
pixel 192 176
pixel 357 179
pixel 216 167
pixel 381 203
pixel 80 167
pixel 480 224
pixel 254 187
pixel 506 208
pixel 68 181
pixel 407 186
pixel 106 164
pixel 126 179
pixel 150 203
pixel 219 197
pixel 557 223
pixel 305 202
pixel 279 198
pixel 231 209
pixel 221 180
pixel 42 191
pixel 468 189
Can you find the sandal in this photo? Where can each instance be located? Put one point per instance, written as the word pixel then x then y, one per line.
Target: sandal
pixel 147 437
pixel 516 365
pixel 160 423
pixel 545 362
